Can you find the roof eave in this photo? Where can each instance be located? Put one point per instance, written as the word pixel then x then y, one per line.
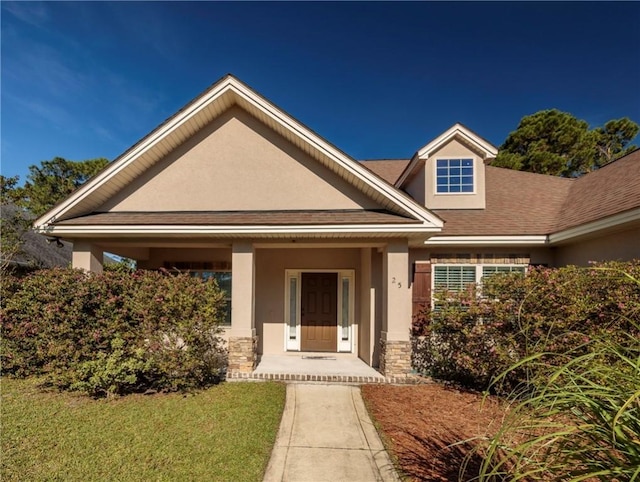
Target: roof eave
pixel 242 230
pixel 567 235
pixel 478 241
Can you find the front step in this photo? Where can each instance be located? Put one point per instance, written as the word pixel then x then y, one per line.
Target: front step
pixel 298 377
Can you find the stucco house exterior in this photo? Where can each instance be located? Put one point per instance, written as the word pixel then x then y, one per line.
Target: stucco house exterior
pixel 319 252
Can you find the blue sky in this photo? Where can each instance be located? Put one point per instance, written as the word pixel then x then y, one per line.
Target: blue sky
pixel 88 79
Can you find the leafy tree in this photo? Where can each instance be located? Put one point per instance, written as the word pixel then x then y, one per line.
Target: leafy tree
pixel 8 189
pixel 54 180
pixel 46 185
pixel 556 143
pixel 13 225
pixel 612 140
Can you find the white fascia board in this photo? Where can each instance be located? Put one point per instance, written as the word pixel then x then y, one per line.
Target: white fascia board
pixel 458 130
pixel 241 230
pixel 595 226
pixel 532 240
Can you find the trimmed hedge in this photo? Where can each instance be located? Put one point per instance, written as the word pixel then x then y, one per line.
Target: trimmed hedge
pixel 473 337
pixel 113 333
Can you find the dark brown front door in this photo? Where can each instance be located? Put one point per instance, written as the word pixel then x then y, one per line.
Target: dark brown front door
pixel 319 311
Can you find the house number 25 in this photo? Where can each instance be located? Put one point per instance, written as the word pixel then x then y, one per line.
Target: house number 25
pixel 393 282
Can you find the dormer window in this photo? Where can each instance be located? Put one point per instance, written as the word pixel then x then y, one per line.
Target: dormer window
pixel 454 176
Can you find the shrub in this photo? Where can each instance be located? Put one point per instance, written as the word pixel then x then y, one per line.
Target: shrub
pixel 581 421
pixel 99 332
pixel 472 338
pixel 117 372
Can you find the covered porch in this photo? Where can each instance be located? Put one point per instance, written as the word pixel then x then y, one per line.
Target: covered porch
pixel 369 300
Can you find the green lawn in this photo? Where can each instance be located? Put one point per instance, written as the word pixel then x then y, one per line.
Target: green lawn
pixel 221 434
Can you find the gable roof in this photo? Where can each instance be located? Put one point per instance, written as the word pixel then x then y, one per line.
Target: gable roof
pixel 457 131
pixel 221 96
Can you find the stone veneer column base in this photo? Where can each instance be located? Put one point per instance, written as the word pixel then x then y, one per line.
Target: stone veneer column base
pixel 395 358
pixel 243 354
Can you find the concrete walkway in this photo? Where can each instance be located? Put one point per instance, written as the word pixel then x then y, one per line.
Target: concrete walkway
pixel 326 435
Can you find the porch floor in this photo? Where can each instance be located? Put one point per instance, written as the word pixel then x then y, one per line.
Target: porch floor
pixel 313 367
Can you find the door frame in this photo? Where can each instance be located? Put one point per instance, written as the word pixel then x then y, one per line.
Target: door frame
pixel 292 315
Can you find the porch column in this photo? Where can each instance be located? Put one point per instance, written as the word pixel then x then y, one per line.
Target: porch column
pixel 242 336
pixel 395 344
pixel 87 256
pixel 366 328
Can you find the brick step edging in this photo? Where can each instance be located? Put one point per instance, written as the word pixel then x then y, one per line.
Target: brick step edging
pixel 284 377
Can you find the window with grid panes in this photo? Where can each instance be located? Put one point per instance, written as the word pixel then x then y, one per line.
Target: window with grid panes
pixel 454 176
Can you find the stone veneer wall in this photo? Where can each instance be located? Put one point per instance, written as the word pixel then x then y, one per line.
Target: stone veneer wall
pixel 243 354
pixel 395 358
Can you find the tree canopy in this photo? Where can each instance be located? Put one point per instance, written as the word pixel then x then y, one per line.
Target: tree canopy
pixel 46 185
pixel 557 143
pixel 54 180
pixel 13 223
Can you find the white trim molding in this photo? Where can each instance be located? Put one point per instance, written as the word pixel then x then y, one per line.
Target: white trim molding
pixel 292 338
pixel 359 230
pixel 474 166
pixel 529 240
pixel 594 226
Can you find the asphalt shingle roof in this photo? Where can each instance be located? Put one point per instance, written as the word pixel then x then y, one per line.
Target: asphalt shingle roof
pixel 517 203
pixel 236 218
pixel 612 189
pixel 387 169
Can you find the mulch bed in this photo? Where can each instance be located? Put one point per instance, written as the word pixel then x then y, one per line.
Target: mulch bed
pixel 421 423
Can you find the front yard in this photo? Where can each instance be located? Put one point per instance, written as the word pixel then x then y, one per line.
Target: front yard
pixel 220 434
pixel 431 430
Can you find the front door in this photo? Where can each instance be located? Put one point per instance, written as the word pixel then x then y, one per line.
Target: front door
pixel 319 312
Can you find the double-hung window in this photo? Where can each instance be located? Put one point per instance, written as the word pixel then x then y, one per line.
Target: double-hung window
pixel 451 277
pixel 454 176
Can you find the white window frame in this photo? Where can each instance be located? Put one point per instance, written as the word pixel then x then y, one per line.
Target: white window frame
pixel 449 158
pixel 344 346
pixel 478 275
